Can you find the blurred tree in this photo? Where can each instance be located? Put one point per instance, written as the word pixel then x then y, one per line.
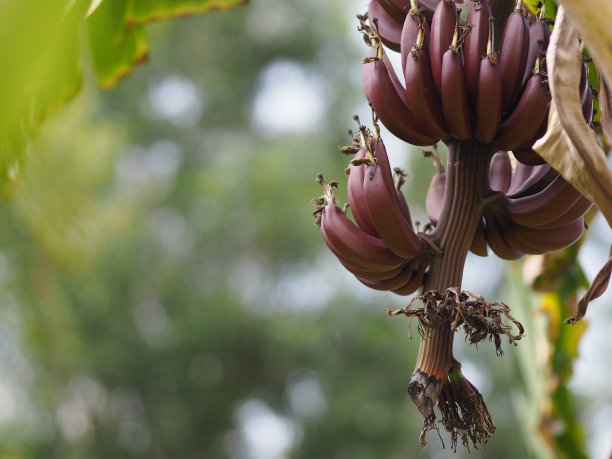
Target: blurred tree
pixel 166 294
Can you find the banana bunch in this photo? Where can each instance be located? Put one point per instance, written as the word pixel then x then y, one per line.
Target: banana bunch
pixel 457 85
pixel 381 249
pixel 457 88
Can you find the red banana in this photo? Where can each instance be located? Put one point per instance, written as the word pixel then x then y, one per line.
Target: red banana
pixel 479 243
pixel 545 206
pixel 539 178
pixel 539 37
pixel 354 245
pixel 415 19
pixel 435 197
pixel 389 102
pixel 526 119
pixel 514 51
pixel 393 283
pixel 575 211
pixel 356 197
pixel 422 96
pixel 399 8
pixel 415 282
pixel 475 45
pixel 384 206
pixel 535 241
pixel 538 135
pixel 389 29
pixel 429 7
pixel 454 95
pixel 369 275
pixel 488 94
pixel 494 232
pixel 521 174
pixel 395 8
pixel 441 36
pixel 404 205
pixel 500 174
pixel 528 156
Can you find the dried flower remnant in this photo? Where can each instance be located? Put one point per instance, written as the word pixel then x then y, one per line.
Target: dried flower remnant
pixel 464 413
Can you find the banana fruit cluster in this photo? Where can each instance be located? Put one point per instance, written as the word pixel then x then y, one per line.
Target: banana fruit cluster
pixel 457 85
pixel 381 249
pixel 457 88
pixel 530 210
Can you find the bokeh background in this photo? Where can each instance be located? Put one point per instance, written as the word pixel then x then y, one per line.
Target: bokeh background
pixel 165 293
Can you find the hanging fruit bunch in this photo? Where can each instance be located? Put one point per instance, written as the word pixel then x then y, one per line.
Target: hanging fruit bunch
pixel 487 99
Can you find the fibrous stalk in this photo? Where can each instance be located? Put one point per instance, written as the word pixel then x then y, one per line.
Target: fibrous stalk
pixel 466 188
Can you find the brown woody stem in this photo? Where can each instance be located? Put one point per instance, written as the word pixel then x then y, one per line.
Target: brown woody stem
pixel 466 185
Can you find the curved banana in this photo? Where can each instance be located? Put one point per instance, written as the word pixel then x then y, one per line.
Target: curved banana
pixel 539 37
pixel 429 7
pixel 423 99
pixel 369 275
pixel 500 174
pixel 528 156
pixel 441 36
pixel 454 94
pixel 538 135
pixel 393 283
pixel 521 174
pixel 539 178
pixel 384 206
pixel 418 276
pixel 388 28
pixel 353 245
pixel 573 213
pixel 514 50
pixel 547 240
pixel 404 205
pixel 475 45
pixel 508 229
pixel 525 121
pixel 390 102
pixel 395 8
pixel 494 232
pixel 479 243
pixel 415 19
pixel 356 197
pixel 435 197
pixel 488 97
pixel 545 206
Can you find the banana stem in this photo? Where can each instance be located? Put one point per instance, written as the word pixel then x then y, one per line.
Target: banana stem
pixel 466 185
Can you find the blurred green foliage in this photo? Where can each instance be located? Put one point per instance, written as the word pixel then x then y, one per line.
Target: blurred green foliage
pixel 44 44
pixel 165 292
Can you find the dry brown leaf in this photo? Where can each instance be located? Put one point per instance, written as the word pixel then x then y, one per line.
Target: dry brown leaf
pixel 597 288
pixel 592 19
pixel 570 145
pixel 605 108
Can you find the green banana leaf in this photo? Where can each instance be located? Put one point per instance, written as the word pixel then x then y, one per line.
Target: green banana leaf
pixel 42 47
